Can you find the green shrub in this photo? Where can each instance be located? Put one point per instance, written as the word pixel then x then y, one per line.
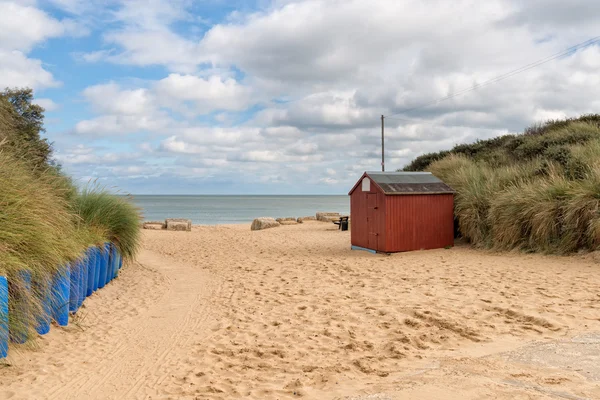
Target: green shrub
pixel 575 133
pixel 551 125
pixel 21 124
pixel 508 149
pixel 422 162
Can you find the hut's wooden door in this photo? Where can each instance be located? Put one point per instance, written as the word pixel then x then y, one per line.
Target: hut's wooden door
pixel 372 221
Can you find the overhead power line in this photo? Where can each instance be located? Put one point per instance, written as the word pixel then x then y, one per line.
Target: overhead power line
pixel 498 78
pixel 507 75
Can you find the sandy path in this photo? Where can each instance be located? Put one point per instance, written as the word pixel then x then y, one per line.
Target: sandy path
pixel 123 352
pixel 223 312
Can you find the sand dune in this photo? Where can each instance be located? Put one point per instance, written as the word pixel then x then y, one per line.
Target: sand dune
pixel 223 312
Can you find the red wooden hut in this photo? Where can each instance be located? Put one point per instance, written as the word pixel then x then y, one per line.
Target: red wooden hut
pixel 401 211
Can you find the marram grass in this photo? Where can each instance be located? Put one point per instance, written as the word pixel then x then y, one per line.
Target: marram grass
pixel 47 224
pixel 115 217
pixel 38 234
pixel 543 197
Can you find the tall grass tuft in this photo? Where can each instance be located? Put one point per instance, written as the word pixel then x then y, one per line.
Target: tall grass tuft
pixel 45 222
pixel 539 191
pixel 527 215
pixel 115 217
pixel 38 234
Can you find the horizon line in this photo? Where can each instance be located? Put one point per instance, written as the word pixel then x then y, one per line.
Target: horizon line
pixel 231 194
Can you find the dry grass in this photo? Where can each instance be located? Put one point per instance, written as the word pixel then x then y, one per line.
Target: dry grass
pixel 46 224
pixel 38 235
pixel 116 217
pixel 542 205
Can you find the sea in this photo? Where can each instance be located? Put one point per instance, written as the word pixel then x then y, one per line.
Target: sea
pixel 231 209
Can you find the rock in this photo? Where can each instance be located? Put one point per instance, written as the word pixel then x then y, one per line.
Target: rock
pixel 157 226
pixel 328 216
pixel 263 223
pixel 309 218
pixel 287 221
pixel 174 221
pixel 178 226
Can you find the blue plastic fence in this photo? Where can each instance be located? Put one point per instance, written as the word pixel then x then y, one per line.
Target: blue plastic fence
pixel 64 295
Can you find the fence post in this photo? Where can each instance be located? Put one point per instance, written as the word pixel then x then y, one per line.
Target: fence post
pixel 43 321
pixel 118 262
pixel 74 287
pixel 111 263
pixel 61 285
pixel 109 269
pixel 91 271
pixel 98 267
pixel 115 261
pixel 84 276
pixel 108 263
pixel 103 266
pixel 22 307
pixel 3 316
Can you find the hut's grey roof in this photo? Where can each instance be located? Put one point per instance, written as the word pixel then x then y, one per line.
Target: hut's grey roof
pixel 409 183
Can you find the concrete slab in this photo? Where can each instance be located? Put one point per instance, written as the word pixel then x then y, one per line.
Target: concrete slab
pixel 580 354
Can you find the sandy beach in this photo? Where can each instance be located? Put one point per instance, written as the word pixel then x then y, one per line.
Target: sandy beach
pixel 222 312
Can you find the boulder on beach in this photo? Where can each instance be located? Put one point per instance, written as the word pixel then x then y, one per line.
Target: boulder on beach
pixel 308 218
pixel 154 225
pixel 263 223
pixel 176 224
pixel 287 221
pixel 328 216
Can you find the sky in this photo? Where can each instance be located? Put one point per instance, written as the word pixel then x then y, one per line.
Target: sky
pixel 285 96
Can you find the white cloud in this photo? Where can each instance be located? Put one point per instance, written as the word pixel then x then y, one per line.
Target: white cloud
pixel 94 56
pixel 48 104
pixel 213 93
pixel 328 109
pixel 341 64
pixel 175 145
pixel 144 36
pixel 85 155
pixel 152 14
pixel 18 70
pixel 328 181
pixel 123 111
pixel 152 47
pixel 111 99
pixel 25 26
pixel 260 156
pixel 122 125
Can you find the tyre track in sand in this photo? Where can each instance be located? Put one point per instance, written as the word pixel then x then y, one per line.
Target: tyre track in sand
pixel 129 351
pixel 167 328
